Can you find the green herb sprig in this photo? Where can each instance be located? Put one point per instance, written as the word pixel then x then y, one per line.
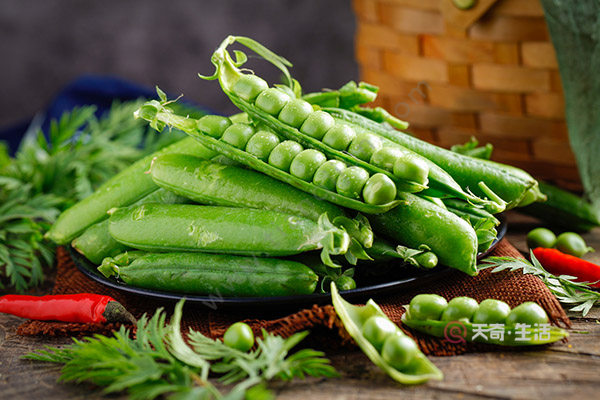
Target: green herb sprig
pixel 159 362
pixel 48 175
pixel 567 291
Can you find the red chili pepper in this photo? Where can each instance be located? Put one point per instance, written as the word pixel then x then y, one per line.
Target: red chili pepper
pixel 559 263
pixel 82 307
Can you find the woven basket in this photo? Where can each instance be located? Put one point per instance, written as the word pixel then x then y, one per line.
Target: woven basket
pixel 488 72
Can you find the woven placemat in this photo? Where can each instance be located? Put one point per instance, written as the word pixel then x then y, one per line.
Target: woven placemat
pixel 511 287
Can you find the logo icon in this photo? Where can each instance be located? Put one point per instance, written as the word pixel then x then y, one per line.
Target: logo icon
pixel 455 332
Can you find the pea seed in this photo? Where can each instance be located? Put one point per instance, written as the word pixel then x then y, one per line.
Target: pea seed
pixel 272 100
pixel 377 329
pixel 491 311
pixel 305 164
pixel 339 137
pixel 427 306
pixel 295 112
pixel 411 168
pixel 261 144
pixel 386 157
pixel 249 86
pixel 364 146
pixel 282 155
pixel 317 124
pixel 529 313
pixel 351 181
pixel 213 125
pixel 541 237
pixel 399 350
pixel 379 189
pixel 327 174
pixel 238 135
pixel 460 307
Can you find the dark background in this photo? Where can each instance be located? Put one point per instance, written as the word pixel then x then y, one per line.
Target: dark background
pixel 46 44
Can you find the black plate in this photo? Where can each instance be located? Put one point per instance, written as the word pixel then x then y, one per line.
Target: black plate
pixel 403 279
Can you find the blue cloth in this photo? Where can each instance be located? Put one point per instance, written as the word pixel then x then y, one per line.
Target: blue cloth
pixel 100 91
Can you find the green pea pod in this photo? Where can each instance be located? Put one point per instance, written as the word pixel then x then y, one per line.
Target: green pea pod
pixel 441 183
pixel 513 185
pixel 162 116
pixel 420 370
pixel 96 243
pixel 348 96
pixel 229 74
pixel 467 331
pixel 223 185
pixel 125 188
pixel 227 230
pixel 450 238
pixel 202 274
pixel 212 183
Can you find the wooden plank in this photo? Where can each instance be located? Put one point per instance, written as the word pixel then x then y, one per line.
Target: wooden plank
pixel 414 68
pixel 509 78
pixel 548 105
pixel 519 127
pixel 467 99
pixel 462 19
pixel 509 29
pixel 519 8
pixel 411 20
pixel 457 50
pixel 383 37
pixel 365 10
pixel 539 55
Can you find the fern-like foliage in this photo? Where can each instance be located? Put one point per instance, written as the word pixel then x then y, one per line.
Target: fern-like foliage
pixel 50 174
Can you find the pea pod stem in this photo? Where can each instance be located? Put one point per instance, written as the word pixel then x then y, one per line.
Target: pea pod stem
pixel 353 317
pixel 503 336
pixel 162 116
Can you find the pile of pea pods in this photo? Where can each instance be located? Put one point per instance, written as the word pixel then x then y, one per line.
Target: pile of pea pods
pixel 297 189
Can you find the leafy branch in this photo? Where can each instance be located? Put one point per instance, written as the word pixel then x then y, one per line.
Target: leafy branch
pixel 158 362
pixel 564 287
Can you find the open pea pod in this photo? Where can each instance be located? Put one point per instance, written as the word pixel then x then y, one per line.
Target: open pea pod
pixel 501 335
pixel 228 73
pixel 160 116
pixel 353 317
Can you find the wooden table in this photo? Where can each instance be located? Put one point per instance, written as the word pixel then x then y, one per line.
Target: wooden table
pixel 557 372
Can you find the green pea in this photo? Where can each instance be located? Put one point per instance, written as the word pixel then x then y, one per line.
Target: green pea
pixel 239 336
pixel 364 146
pixel 427 306
pixel 491 311
pixel 399 350
pixel 411 168
pixel 376 330
pixel 379 189
pixel 327 174
pixel 386 157
pixel 305 164
pixel 427 259
pixel 295 112
pixel 541 237
pixel 460 307
pixel 529 313
pixel 351 181
pixel 282 155
pixel 573 244
pixel 249 86
pixel 317 124
pixel 261 144
pixel 238 135
pixel 272 100
pixel 213 125
pixel 339 137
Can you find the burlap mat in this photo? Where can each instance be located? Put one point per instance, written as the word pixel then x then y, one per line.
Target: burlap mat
pixel 513 288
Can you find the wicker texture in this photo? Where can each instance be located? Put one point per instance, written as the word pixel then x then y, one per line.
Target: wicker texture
pixel 489 72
